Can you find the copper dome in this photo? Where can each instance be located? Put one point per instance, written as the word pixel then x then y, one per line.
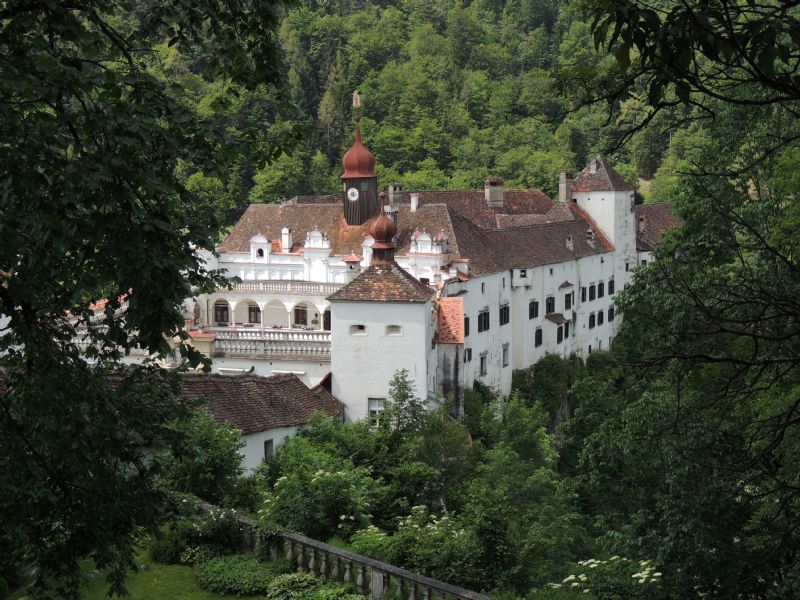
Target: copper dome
pixel 358 161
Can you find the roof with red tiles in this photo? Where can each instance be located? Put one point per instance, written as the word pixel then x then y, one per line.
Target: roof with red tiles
pixel 383 282
pixel 652 221
pixel 253 404
pixel 604 179
pixel 451 320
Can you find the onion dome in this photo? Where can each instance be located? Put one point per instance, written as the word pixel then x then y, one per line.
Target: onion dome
pixel 358 161
pixel 383 229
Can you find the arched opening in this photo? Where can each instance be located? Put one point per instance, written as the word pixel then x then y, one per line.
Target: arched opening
pixel 260 253
pixel 305 316
pixel 275 315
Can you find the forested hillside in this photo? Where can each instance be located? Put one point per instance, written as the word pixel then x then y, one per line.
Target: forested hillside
pixel 452 92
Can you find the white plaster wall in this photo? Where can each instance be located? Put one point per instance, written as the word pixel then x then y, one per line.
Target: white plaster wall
pixel 363 365
pixel 488 291
pixel 253 450
pixel 309 373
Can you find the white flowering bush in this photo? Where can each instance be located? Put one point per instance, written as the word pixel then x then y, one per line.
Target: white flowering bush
pixel 616 578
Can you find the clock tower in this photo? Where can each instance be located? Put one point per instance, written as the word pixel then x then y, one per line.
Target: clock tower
pixel 359 178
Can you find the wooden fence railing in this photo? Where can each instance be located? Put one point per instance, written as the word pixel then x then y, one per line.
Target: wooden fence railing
pixel 370 577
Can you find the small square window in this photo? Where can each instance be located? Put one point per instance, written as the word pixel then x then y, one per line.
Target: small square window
pixel 358 330
pixel 394 330
pixel 523 273
pixel 551 271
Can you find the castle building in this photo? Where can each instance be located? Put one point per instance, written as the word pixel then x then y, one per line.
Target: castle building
pixel 453 286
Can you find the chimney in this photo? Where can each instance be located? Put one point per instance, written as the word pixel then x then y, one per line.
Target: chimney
pixel 353 263
pixel 414 202
pixel 569 244
pixel 395 193
pixel 642 223
pixel 286 239
pixel 590 237
pixel 593 166
pixel 565 186
pixel 391 212
pixel 493 190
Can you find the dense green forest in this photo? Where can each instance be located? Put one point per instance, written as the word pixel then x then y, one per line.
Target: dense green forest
pixel 452 92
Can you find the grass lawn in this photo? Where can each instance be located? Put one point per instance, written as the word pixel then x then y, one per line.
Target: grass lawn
pixel 157 582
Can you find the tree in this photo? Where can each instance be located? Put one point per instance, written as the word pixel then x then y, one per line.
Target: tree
pixel 94 207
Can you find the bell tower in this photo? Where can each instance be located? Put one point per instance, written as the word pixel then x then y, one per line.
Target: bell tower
pixel 359 178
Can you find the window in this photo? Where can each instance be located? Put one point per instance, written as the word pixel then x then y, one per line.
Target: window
pixel 590 348
pixel 505 314
pixel 644 262
pixel 567 301
pixel 523 273
pixel 610 314
pixel 566 330
pixel 365 186
pixel 483 363
pixel 505 355
pixel 600 316
pixel 504 282
pixel 467 355
pixel 375 408
pixel 326 320
pixel 260 253
pixel 466 326
pixel 394 330
pixel 425 280
pixel 560 334
pixel 537 337
pixel 269 450
pixel 592 292
pixel 601 289
pixel 483 320
pixel 611 287
pixel 551 271
pixel 483 288
pixel 533 309
pixel 627 267
pixel 591 321
pixel 253 313
pixel 550 305
pixel 221 312
pixel 583 294
pixel 358 330
pixel 300 316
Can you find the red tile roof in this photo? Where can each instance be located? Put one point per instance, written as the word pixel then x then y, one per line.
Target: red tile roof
pixel 253 404
pixel 605 179
pixel 652 221
pixel 383 282
pixel 451 320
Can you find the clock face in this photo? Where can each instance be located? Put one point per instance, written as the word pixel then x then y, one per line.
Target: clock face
pixel 352 194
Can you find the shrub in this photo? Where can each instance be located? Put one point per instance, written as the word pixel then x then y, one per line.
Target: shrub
pixel 219 527
pixel 293 586
pixel 234 575
pixel 335 592
pixel 168 548
pixel 4 589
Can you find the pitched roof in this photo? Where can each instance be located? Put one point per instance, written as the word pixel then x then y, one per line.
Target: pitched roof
pixel 451 320
pixel 652 221
pixel 253 404
pixel 383 282
pixel 604 179
pixel 529 246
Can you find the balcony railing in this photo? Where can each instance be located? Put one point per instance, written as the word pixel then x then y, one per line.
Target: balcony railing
pixel 370 577
pixel 297 288
pixel 292 344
